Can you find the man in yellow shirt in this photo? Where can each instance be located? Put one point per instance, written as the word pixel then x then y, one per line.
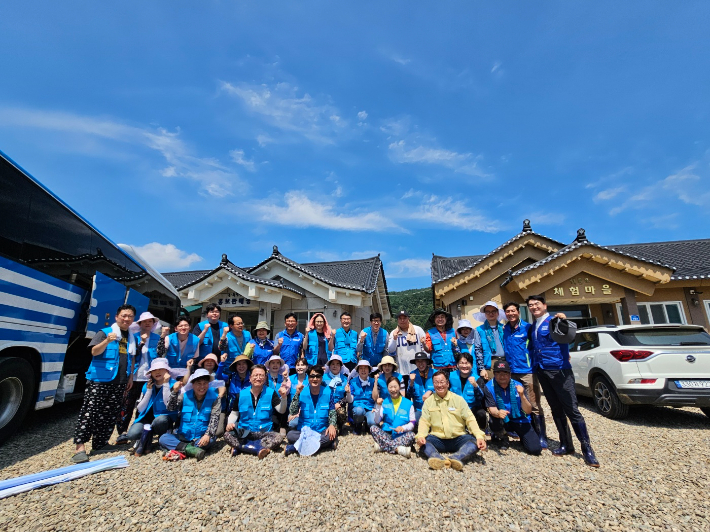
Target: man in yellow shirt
pixel 442 427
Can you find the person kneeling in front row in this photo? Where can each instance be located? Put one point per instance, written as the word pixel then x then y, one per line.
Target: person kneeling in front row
pixel 199 411
pixel 448 416
pixel 398 419
pixel 510 409
pixel 249 426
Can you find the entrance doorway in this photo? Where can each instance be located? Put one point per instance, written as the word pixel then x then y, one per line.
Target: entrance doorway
pixel 249 317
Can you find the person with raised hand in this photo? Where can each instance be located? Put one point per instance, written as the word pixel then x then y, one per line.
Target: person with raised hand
pixel 489 345
pixel 289 342
pixel 180 346
pixel 361 390
pixel 464 383
pixel 260 349
pixel 211 323
pixel 404 341
pixel 343 342
pixel 440 340
pixel 372 344
pixel 337 381
pixel 316 346
pixel 250 424
pixel 234 339
pixel 421 385
pixel 396 416
pixel 385 369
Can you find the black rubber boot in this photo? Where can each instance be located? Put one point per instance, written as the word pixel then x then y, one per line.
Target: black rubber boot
pixel 566 445
pixel 580 429
pixel 541 429
pixel 145 443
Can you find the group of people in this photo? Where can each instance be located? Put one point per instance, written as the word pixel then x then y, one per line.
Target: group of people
pixel 442 388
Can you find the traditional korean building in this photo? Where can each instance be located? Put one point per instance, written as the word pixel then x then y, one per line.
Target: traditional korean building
pixel 279 285
pixel 655 282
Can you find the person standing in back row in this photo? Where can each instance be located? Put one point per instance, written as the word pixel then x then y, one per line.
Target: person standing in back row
pixel 404 342
pixel 210 344
pixel 489 341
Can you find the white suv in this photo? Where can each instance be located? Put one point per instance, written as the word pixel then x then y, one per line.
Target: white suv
pixel 627 365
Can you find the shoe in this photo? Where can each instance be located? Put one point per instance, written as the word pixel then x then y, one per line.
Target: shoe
pixel 122 440
pixel 289 450
pixel 404 451
pixel 438 463
pixel 80 458
pixel 145 443
pixel 376 447
pixel 513 435
pixel 463 455
pixel 580 429
pixel 566 445
pixel 255 448
pixel 503 442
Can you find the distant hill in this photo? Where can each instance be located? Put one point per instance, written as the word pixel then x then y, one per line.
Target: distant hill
pixel 418 302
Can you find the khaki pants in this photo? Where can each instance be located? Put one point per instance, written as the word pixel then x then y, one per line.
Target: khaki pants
pixel 532 390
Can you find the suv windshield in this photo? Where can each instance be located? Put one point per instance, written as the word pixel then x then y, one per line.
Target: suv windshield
pixel 663 336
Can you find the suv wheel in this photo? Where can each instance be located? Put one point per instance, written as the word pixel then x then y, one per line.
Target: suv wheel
pixel 607 401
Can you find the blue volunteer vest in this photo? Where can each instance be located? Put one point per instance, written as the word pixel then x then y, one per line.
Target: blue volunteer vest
pixel 546 353
pixel 152 346
pixel 233 347
pixel 262 354
pixel 442 354
pixel 516 347
pixel 294 382
pixel 473 395
pixel 312 351
pixel 506 400
pixel 315 418
pixel 194 422
pixel 339 390
pixel 382 384
pixel 206 347
pixel 104 367
pixel 419 387
pixel 372 350
pixel 173 352
pixel 156 403
pixel 487 353
pixel 362 396
pixel 291 346
pixel 259 420
pixel 274 385
pixel 345 345
pixel 393 419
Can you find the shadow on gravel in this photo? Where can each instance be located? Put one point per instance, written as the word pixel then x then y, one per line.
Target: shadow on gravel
pixel 41 431
pixel 654 416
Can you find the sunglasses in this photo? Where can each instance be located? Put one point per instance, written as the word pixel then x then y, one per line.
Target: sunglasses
pixel 315 376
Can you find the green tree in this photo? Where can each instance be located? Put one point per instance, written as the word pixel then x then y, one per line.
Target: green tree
pixel 418 302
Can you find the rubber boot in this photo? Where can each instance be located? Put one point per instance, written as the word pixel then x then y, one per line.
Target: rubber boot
pixel 254 447
pixel 580 429
pixel 566 445
pixel 541 429
pixel 289 450
pixel 467 451
pixel 434 459
pixel 145 442
pixel 192 451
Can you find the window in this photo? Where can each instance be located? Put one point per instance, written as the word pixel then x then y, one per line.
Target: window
pixel 585 341
pixel 657 313
pixel 302 318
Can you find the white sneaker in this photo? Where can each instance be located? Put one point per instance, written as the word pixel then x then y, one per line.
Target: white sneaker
pixel 404 451
pixel 377 448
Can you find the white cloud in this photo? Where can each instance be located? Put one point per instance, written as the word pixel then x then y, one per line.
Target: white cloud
pixel 263 140
pixel 496 66
pixel 465 163
pixel 409 268
pixel 214 178
pixel 238 157
pixel 281 107
pixel 301 210
pixel 362 115
pixel 399 59
pixel 607 194
pixel 453 214
pixel 166 257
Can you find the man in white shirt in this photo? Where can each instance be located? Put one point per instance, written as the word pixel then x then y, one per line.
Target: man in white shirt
pixel 403 343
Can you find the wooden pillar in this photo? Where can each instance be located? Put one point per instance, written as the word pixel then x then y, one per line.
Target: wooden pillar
pixel 628 306
pixel 608 313
pixel 697 312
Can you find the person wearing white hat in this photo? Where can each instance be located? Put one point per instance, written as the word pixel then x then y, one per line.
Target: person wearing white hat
pixel 153 417
pixel 361 388
pixel 276 375
pixel 198 417
pixel 336 380
pixel 145 331
pixel 489 344
pixel 385 369
pixel 466 338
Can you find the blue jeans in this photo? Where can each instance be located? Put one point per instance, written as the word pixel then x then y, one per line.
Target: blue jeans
pixel 171 441
pixel 449 445
pixel 360 415
pixel 160 424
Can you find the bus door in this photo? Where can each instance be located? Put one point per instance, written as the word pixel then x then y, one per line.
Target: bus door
pixel 138 300
pixel 106 297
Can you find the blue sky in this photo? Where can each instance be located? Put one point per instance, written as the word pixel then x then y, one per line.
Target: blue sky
pixel 342 130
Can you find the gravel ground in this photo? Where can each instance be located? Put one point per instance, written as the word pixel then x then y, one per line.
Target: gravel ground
pixel 654 476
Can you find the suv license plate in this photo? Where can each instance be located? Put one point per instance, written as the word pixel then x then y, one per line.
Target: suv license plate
pixel 692 384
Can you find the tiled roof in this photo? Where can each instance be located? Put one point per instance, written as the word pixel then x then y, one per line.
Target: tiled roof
pixel 443 268
pixel 690 258
pixel 182 279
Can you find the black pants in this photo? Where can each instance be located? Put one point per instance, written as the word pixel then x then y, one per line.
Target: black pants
pixel 97 417
pixel 481 417
pixel 528 437
pixel 558 387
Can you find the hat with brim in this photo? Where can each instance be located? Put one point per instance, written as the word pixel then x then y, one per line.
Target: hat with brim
pixel 421 355
pixel 563 331
pixel 136 325
pixel 241 358
pixel 387 360
pixel 449 319
pixel 200 374
pixel 262 325
pixel 335 358
pixel 463 324
pixel 363 362
pixel 403 313
pixel 156 364
pixel 277 358
pixel 481 314
pixel 501 366
pixel 211 356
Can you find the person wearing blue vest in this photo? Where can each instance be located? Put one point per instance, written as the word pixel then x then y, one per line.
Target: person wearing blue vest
pixel 277 374
pixel 466 337
pixel 106 380
pixel 180 346
pixel 316 346
pixel 510 409
pixel 234 339
pixel 440 340
pixel 144 331
pixel 211 323
pixel 300 377
pixel 336 378
pixel 152 415
pixel 385 369
pixel 289 342
pixel 489 341
pixel 260 348
pixel 344 342
pixel 420 384
pixel 396 415
pixel 315 407
pixel 372 344
pixel 551 364
pixel 515 341
pixel 361 389
pixel 198 417
pixel 464 383
pixel 250 424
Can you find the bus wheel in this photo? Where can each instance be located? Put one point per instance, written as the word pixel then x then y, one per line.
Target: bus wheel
pixel 17 387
